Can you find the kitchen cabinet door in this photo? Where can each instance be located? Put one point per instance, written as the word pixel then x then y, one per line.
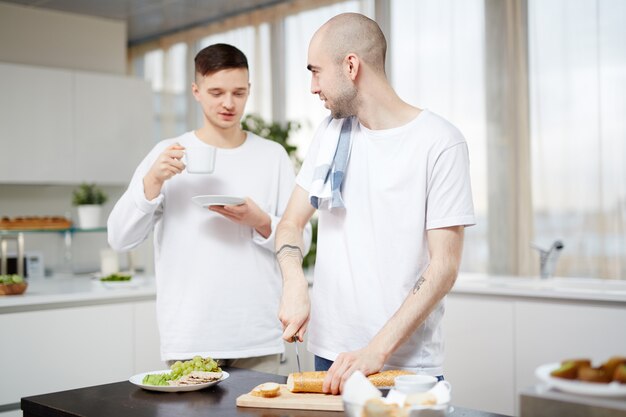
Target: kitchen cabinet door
pixel 65 348
pixel 479 352
pixel 35 125
pixel 113 126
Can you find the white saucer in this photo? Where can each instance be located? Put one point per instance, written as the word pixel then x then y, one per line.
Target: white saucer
pixel 217 200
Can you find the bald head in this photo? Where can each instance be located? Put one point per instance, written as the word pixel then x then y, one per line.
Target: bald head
pixel 353 33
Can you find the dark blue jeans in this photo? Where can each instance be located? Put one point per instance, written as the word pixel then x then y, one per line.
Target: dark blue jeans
pixel 322 364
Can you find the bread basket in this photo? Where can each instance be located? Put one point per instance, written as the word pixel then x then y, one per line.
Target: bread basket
pixel 13 289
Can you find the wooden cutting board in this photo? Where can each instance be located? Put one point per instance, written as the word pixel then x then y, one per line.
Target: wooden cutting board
pixel 293 401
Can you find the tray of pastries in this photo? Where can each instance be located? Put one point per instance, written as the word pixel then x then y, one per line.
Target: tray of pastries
pixel 35 223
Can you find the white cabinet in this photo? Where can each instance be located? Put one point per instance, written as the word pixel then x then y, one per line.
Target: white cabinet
pixel 52 350
pixel 65 349
pixel 36 126
pixel 113 126
pixel 480 352
pixel 494 343
pixel 62 126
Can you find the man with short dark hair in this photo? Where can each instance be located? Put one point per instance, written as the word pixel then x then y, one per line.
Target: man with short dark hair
pixel 218 285
pixel 391 185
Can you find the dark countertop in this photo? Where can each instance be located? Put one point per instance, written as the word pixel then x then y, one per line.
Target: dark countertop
pixel 125 399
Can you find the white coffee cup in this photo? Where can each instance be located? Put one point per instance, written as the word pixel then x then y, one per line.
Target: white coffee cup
pixel 109 262
pixel 200 159
pixel 409 384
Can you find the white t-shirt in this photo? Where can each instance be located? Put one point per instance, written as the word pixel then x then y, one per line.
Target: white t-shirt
pixel 218 283
pixel 399 183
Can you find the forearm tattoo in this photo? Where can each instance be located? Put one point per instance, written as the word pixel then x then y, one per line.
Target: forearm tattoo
pixel 418 284
pixel 289 251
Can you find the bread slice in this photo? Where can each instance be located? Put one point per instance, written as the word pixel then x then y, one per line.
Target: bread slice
pixel 266 390
pixel 376 407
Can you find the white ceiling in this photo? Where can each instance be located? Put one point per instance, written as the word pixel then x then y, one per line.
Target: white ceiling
pixel 148 19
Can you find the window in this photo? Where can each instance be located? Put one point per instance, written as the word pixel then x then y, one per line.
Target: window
pixel 576 187
pixel 578 132
pixel 436 53
pixel 300 104
pixel 166 72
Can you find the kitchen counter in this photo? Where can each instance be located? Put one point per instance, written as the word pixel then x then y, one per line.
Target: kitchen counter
pixel 125 399
pixel 583 289
pixel 61 291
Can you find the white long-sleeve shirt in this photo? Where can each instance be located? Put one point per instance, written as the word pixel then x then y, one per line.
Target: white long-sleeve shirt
pixel 218 283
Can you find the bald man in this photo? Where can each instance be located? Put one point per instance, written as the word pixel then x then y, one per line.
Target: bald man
pixel 390 238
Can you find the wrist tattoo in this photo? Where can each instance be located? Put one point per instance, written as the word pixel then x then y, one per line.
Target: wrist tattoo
pixel 418 284
pixel 288 251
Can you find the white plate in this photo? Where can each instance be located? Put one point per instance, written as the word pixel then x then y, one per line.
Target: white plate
pixel 217 200
pixel 133 283
pixel 613 389
pixel 136 379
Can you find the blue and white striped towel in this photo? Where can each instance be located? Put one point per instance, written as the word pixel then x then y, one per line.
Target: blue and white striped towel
pixel 330 165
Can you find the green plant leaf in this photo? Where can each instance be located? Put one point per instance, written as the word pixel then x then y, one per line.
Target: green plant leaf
pixel 88 194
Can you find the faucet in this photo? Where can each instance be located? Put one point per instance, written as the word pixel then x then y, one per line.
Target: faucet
pixel 548 258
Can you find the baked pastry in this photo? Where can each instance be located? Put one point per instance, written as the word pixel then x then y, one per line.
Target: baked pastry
pixel 620 374
pixel 313 381
pixel 614 369
pixel 266 390
pixel 578 363
pixel 420 398
pixel 35 222
pixel 611 365
pixel 567 370
pixel 375 407
pixel 593 375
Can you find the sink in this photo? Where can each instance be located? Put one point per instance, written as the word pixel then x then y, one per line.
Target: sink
pixel 557 284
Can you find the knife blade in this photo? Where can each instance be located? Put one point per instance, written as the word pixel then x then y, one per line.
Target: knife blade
pixel 295 342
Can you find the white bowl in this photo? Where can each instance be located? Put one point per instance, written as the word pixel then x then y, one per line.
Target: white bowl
pixel 439 410
pixel 352 409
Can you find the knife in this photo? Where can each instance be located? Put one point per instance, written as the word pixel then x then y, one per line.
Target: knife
pixel 295 342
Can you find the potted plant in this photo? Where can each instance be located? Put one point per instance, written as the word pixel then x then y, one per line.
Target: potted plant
pixel 280 133
pixel 273 131
pixel 89 200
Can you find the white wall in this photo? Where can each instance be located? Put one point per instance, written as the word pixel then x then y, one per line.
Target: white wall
pixel 69 41
pixel 61 40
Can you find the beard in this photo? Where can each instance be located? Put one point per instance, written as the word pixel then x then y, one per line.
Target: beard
pixel 345 102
